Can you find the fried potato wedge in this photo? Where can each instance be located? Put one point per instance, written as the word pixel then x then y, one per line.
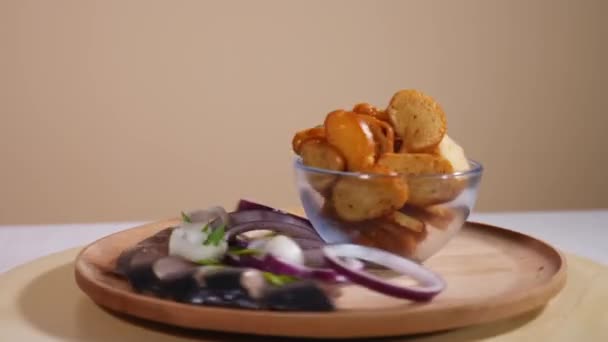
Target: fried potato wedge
pixel 318 153
pixel 356 199
pixel 418 119
pixel 368 109
pixel 415 163
pixel 352 137
pixel 307 134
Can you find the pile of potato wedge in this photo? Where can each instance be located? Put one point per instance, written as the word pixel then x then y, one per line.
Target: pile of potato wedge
pixel 408 138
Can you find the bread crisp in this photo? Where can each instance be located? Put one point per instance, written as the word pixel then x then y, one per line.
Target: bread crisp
pixel 368 109
pixel 387 236
pixel 318 153
pixel 418 119
pixel 406 221
pixel 355 199
pixel 311 133
pixel 415 163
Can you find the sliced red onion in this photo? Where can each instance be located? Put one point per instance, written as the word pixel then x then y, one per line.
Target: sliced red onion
pixel 211 214
pixel 239 242
pixel 270 263
pixel 314 257
pixel 430 283
pixel 245 205
pixel 307 244
pixel 279 266
pixel 291 230
pixel 245 216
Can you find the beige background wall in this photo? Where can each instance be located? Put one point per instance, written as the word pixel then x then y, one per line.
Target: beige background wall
pixel 129 110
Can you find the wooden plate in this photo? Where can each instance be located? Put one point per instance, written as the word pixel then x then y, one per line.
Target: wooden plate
pixel 492 273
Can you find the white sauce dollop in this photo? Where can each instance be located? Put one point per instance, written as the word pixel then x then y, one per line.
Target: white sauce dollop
pixel 284 248
pixel 187 240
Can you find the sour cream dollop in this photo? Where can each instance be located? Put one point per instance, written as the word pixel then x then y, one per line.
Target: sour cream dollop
pixel 187 241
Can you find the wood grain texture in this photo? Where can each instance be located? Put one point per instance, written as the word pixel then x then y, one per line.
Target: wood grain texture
pixel 40 301
pixel 492 273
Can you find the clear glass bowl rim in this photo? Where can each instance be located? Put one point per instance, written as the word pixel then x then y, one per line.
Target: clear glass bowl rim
pixel 475 171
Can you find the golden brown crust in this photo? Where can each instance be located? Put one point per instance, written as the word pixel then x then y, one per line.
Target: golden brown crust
pixel 352 137
pixel 387 237
pixel 357 200
pixel 437 216
pixel 320 154
pixel 383 133
pixel 424 191
pixel 302 136
pixel 429 191
pixel 406 221
pixel 368 109
pixel 433 150
pixel 415 163
pixel 418 119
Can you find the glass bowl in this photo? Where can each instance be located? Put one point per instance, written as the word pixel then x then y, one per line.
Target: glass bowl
pixel 339 206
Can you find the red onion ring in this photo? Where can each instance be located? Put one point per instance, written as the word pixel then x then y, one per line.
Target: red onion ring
pixel 270 263
pixel 431 284
pixel 245 205
pixel 209 215
pixel 277 265
pixel 246 216
pixel 291 230
pixel 314 257
pixel 307 244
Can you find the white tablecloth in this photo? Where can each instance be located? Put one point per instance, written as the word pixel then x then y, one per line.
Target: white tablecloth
pixel 580 232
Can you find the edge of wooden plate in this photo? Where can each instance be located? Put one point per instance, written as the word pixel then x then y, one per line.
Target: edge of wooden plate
pixel 339 324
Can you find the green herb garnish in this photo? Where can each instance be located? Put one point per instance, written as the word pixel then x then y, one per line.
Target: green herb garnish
pixel 205 228
pixel 278 279
pixel 186 218
pixel 209 262
pixel 216 236
pixel 245 251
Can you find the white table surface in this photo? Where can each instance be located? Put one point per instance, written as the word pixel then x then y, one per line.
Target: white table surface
pixel 584 233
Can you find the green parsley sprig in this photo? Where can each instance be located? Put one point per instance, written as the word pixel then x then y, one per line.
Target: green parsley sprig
pixel 216 236
pixel 186 218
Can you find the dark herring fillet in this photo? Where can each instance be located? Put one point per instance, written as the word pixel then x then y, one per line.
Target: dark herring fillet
pixel 303 295
pixel 225 286
pixel 154 247
pixel 163 277
pixel 150 270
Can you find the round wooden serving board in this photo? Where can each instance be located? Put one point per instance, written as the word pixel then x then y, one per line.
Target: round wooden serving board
pixel 492 273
